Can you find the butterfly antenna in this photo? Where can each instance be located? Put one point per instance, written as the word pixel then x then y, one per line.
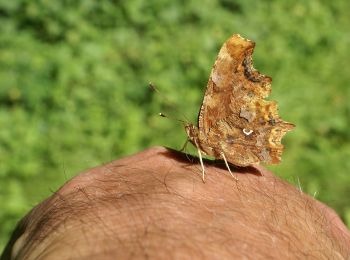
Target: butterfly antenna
pixel 172 105
pixel 173 118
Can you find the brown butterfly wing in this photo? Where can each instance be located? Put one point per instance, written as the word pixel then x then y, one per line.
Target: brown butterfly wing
pixel 234 118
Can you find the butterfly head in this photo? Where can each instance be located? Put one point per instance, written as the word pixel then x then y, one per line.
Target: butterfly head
pixel 192 133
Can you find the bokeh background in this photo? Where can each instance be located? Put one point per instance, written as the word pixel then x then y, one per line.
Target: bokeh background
pixel 74 76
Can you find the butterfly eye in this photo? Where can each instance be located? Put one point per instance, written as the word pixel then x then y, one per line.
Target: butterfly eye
pixel 247 132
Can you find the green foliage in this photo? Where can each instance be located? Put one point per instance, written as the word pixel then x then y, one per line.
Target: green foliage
pixel 74 75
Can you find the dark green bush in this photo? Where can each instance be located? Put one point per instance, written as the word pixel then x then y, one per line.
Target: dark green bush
pixel 74 75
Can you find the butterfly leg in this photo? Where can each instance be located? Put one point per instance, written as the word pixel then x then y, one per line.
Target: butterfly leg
pixel 228 167
pixel 184 146
pixel 201 161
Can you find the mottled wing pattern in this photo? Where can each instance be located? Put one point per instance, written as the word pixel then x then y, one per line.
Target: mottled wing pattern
pixel 234 118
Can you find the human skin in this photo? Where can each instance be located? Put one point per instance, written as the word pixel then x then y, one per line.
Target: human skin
pixel 155 205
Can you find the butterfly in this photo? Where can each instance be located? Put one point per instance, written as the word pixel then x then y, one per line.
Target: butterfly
pixel 235 122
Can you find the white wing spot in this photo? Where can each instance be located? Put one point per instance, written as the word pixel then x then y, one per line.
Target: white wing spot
pixel 247 132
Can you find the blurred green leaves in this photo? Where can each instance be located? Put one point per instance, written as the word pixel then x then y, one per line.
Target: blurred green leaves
pixel 74 75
